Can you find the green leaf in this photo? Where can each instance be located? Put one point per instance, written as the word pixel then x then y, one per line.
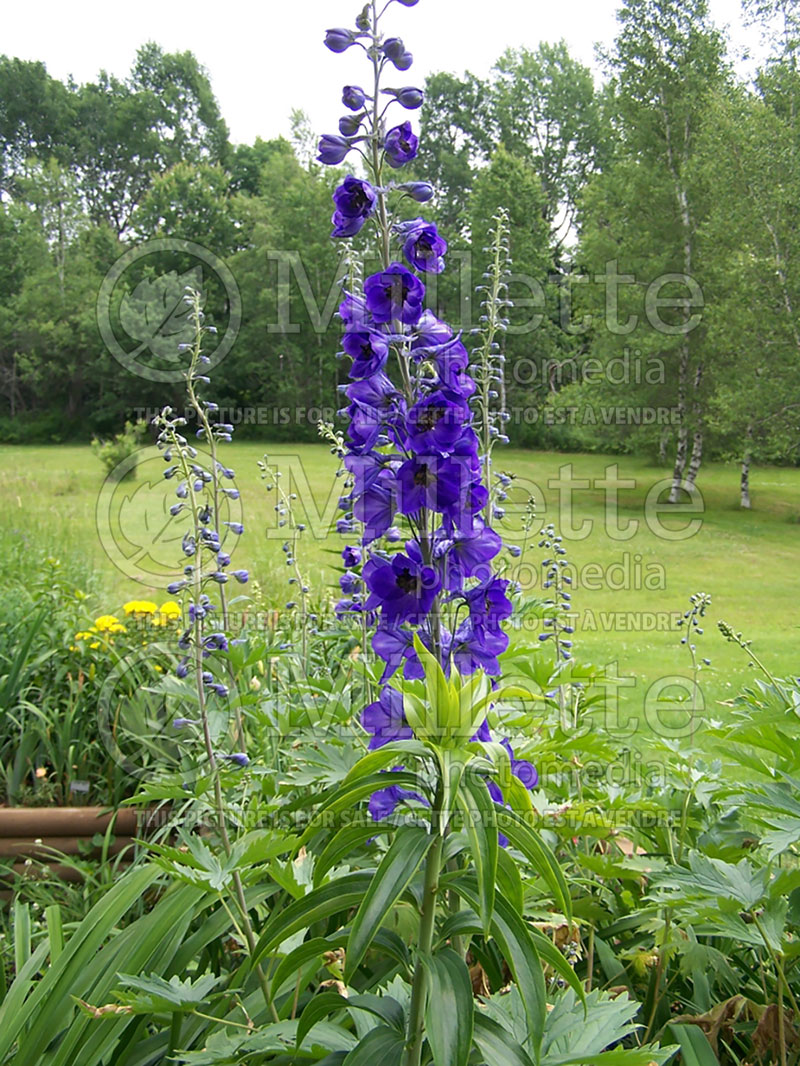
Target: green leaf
pixel 318 1007
pixel 519 950
pixel 480 813
pixel 333 898
pixel 347 795
pixel 382 1046
pixel 449 1008
pixel 342 844
pixel 539 855
pixel 156 995
pixel 694 1045
pixel 497 1046
pixel 304 953
pixel 53 993
pixel 397 867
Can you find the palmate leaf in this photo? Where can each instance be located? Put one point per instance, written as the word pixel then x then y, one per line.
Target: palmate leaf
pixel 398 866
pixel 497 1046
pixel 151 994
pixel 449 1008
pixel 742 884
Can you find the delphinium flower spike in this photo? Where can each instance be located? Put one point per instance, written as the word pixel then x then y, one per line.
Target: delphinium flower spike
pixel 413 453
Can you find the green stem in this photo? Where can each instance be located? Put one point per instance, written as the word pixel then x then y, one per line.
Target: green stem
pixel 415 1034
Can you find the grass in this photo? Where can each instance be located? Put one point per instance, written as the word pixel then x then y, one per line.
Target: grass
pixel 626 591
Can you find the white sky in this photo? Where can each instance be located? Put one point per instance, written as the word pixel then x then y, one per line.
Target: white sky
pixel 266 58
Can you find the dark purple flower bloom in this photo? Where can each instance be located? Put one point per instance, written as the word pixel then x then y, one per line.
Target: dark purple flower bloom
pixel 385 719
pixel 241 576
pixel 470 555
pixel 423 246
pixel 349 583
pixel 353 310
pixel 395 645
pixel 351 556
pixel 476 648
pixel 488 603
pixel 525 771
pixel 353 97
pixel 430 332
pixel 429 481
pixel 332 149
pixel 400 145
pixel 368 350
pixel 394 293
pixel 436 423
pixel 386 801
pixel 421 191
pixel 376 507
pixel 339 40
pixel 355 201
pixel 403 588
pixel 484 733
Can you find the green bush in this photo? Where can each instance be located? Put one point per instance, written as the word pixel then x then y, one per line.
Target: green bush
pixel 112 453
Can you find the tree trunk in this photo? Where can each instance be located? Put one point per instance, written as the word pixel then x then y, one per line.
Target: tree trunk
pixel 745 479
pixel 696 458
pixel 683 431
pixel 697 439
pixel 662 448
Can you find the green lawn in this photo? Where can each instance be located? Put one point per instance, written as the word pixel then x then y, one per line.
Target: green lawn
pixel 625 592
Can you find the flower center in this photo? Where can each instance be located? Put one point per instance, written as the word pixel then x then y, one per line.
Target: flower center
pixel 406 581
pixel 423 475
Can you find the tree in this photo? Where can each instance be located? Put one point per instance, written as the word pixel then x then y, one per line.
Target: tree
pixel 666 61
pixel 545 110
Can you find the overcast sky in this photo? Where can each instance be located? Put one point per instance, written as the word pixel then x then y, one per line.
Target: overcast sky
pixel 265 59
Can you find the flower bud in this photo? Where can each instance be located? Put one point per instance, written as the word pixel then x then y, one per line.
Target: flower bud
pixel 353 97
pixel 332 149
pixel 339 40
pixel 421 191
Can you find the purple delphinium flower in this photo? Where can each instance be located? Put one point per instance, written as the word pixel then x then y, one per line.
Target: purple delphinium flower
pixel 397 53
pixel 421 191
pixel 351 556
pixel 423 246
pixel 408 97
pixel 394 293
pixel 385 719
pixel 386 801
pixel 400 145
pixel 355 200
pixel 402 588
pixel 368 350
pixel 436 422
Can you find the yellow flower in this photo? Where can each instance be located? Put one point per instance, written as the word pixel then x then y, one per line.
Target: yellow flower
pixel 139 607
pixel 107 623
pixel 167 612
